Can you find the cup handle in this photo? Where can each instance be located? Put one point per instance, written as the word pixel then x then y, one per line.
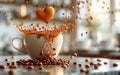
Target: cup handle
pixel 22 45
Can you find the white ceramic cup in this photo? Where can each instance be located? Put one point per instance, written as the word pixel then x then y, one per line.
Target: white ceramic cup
pixel 33 46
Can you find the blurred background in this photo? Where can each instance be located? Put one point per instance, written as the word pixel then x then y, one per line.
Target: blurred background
pixel 95 29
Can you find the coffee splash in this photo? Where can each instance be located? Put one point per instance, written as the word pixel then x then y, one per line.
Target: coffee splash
pixel 48 34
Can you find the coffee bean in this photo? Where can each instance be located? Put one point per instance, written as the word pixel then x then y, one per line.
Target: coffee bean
pixel 81 34
pixel 8 64
pixel 91 63
pixel 98 60
pixel 115 64
pixel 75 54
pixel 105 63
pixel 87 70
pixel 2 67
pixel 41 68
pixel 82 70
pixel 99 64
pixel 75 63
pixel 36 5
pixel 40 63
pixel 87 66
pixel 87 60
pixel 13 63
pixel 72 57
pixel 96 66
pixel 13 57
pixel 12 66
pixel 54 49
pixel 79 65
pixel 29 67
pixel 6 60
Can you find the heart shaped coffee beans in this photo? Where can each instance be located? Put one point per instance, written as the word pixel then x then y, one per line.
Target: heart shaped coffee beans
pixel 45 15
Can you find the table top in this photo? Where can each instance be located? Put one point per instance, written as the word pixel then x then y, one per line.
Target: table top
pixel 76 67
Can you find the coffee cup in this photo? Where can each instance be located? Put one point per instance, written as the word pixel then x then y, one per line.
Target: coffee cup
pixel 37 47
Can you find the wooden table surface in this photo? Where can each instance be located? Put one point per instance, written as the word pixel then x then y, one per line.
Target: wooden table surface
pixel 104 69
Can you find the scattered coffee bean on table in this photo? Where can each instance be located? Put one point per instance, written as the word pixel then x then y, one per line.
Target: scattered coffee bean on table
pixel 72 57
pixel 98 60
pixel 2 67
pixel 41 68
pixel 99 64
pixel 115 64
pixel 45 60
pixel 13 57
pixel 82 70
pixel 75 54
pixel 12 66
pixel 75 63
pixel 105 63
pixel 87 60
pixel 87 66
pixel 7 64
pixel 29 67
pixel 6 60
pixel 12 63
pixel 79 65
pixel 64 66
pixel 91 63
pixel 96 66
pixel 87 70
